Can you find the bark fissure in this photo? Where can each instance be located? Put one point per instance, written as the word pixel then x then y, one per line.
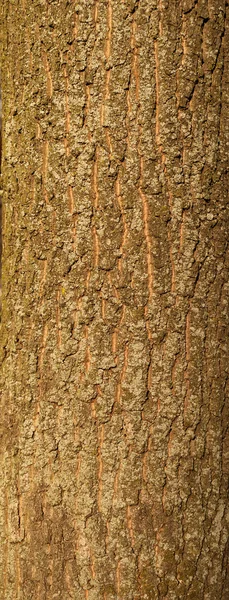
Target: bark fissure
pixel 114 358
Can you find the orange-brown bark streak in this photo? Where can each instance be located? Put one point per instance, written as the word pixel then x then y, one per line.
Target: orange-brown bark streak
pixel 113 433
pixel 147 234
pixel 119 388
pixel 100 461
pixel 96 206
pixel 119 198
pixel 141 193
pixel 67 113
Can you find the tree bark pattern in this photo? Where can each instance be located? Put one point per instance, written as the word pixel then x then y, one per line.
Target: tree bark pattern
pixel 114 428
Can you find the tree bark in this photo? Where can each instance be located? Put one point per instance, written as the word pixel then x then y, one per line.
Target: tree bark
pixel 114 357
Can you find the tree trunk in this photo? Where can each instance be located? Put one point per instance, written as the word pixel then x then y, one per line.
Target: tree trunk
pixel 114 361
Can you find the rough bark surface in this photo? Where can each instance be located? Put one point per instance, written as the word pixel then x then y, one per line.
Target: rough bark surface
pixel 114 423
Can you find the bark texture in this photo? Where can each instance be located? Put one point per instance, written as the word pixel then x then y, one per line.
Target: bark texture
pixel 114 360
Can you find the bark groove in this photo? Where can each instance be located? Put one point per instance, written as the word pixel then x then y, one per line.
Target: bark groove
pixel 114 357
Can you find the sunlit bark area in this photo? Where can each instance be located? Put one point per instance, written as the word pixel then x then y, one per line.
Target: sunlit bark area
pixel 114 333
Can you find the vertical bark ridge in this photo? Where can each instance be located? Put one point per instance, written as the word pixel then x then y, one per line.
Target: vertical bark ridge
pixel 114 376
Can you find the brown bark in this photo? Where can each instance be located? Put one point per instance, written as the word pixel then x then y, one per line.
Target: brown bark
pixel 1 191
pixel 114 361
